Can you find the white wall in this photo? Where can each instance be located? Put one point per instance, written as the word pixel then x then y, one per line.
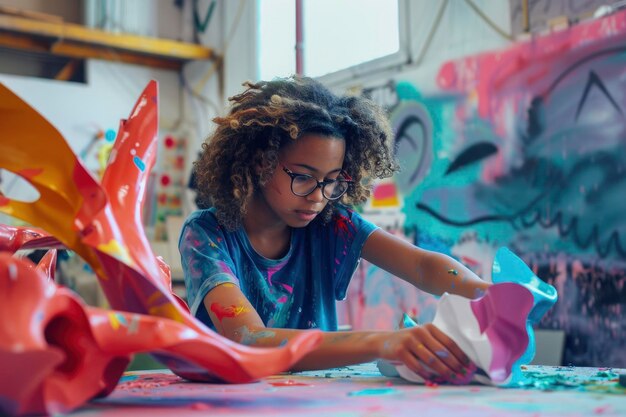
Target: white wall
pixel 78 110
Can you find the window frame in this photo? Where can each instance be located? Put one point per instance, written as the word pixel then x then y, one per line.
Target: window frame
pixel 401 57
pixel 365 68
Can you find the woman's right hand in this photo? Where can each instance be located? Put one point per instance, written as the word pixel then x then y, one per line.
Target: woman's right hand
pixel 428 352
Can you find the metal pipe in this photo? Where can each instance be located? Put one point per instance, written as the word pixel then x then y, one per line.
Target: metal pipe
pixel 299 37
pixel 525 17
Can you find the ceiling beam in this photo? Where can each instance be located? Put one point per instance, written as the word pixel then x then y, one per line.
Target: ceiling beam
pixel 76 41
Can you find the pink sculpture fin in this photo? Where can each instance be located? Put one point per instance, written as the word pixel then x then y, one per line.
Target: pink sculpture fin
pixel 501 314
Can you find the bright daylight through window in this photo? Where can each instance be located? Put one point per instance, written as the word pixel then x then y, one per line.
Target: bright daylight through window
pixel 338 34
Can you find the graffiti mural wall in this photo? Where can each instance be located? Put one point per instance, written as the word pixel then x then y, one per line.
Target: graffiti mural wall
pixel 526 148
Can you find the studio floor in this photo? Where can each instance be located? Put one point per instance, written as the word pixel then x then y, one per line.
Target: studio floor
pixel 362 391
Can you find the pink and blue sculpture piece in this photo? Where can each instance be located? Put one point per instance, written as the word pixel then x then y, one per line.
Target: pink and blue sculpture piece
pixel 495 330
pixel 65 352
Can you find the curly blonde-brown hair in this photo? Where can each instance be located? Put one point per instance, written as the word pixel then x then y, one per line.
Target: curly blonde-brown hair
pixel 270 114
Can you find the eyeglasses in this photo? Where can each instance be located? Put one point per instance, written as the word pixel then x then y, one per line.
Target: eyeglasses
pixel 303 185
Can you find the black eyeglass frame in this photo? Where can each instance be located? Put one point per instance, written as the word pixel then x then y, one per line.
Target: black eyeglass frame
pixel 320 184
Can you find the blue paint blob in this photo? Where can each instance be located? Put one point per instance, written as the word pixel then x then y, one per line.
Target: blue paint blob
pixel 140 164
pixel 408 321
pixel 109 135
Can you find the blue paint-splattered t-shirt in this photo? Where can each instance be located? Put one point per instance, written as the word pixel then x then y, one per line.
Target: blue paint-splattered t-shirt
pixel 297 291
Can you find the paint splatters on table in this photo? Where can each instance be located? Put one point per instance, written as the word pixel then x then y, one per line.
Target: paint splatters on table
pixel 549 378
pixel 360 390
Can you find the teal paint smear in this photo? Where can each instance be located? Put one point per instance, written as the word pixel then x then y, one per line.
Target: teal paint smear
pixel 563 379
pixel 373 392
pixel 249 338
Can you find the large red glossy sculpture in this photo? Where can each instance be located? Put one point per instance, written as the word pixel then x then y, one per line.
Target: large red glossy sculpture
pixel 62 353
pixel 102 223
pixel 47 346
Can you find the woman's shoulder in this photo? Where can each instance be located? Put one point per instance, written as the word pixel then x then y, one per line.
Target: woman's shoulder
pixel 202 216
pixel 205 219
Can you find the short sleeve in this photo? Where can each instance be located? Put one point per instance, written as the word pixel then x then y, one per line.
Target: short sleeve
pixel 205 258
pixel 350 232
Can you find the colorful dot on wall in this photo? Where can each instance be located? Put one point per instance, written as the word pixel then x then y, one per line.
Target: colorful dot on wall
pixel 165 180
pixel 110 135
pixel 162 199
pixel 169 142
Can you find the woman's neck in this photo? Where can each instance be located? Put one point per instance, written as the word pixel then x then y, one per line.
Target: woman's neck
pixel 269 236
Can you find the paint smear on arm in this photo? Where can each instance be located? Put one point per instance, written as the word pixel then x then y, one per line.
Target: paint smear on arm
pixel 222 312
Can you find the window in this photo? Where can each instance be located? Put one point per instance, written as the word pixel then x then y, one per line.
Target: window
pixel 337 35
pixel 276 38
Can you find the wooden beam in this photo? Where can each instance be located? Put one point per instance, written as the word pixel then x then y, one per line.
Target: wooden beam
pixel 69 39
pixel 29 14
pixel 81 51
pixel 77 50
pixel 13 41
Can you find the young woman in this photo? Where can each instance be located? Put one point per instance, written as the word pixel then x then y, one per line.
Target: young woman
pixel 279 244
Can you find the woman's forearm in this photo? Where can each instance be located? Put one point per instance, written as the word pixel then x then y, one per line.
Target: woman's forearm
pixel 337 348
pixel 423 349
pixel 440 273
